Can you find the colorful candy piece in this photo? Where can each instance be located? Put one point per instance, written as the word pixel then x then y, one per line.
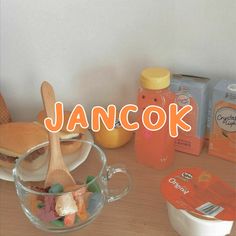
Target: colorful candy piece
pixel 67 209
pixel 93 187
pixel 69 220
pixel 79 196
pixel 95 202
pixel 76 219
pixel 58 223
pixel 47 216
pixel 48 213
pixel 49 202
pixel 82 211
pixel 56 188
pixel 76 188
pixel 79 192
pixel 65 205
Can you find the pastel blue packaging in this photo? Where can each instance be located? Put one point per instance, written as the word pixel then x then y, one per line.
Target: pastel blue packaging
pixel 191 90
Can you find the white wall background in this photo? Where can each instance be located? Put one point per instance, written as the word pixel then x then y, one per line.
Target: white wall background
pixel 92 51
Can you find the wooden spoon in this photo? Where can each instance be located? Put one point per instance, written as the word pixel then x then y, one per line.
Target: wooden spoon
pixel 57 170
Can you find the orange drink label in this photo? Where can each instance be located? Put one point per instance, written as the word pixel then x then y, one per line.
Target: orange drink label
pixel 198 191
pixel 223 134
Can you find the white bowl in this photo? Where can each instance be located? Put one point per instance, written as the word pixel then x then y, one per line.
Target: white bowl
pixel 186 224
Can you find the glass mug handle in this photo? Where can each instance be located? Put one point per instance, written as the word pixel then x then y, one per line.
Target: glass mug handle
pixel 116 194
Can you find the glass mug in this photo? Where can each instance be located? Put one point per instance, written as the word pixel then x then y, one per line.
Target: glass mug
pixel 57 210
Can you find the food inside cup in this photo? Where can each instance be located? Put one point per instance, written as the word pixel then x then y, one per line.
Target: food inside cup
pixel 65 206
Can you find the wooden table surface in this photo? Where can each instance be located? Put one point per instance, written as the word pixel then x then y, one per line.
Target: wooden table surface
pixel 141 212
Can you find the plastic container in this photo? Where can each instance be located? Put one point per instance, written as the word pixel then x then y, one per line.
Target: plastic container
pixel 154 148
pixel 186 224
pixel 198 202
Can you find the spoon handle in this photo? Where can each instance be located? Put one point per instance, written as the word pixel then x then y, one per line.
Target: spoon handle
pixel 56 161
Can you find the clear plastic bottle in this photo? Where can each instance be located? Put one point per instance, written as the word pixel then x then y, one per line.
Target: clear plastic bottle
pixel 154 148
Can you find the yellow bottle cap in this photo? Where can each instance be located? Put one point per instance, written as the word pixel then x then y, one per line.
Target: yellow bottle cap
pixel 155 78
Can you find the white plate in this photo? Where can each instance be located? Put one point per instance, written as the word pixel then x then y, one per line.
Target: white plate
pixel 72 161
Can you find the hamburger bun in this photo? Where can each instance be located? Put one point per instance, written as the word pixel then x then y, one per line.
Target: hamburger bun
pixel 16 139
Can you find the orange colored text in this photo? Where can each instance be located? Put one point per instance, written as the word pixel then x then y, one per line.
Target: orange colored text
pixel 108 117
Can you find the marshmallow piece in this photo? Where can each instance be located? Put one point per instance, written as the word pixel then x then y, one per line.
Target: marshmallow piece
pixel 65 205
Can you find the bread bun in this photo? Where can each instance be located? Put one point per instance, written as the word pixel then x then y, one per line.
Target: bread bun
pixel 17 138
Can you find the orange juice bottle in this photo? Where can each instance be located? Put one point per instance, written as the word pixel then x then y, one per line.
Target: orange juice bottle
pixel 223 131
pixel 154 148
